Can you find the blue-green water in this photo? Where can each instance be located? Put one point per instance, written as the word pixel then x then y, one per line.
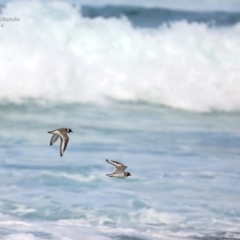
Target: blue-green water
pixel 185 173
pixel 154 88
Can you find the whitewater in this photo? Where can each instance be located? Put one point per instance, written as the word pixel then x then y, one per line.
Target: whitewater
pixel 53 54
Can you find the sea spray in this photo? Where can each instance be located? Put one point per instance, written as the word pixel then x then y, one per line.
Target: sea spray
pixel 54 54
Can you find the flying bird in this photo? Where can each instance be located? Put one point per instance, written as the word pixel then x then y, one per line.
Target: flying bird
pixel 119 171
pixel 62 133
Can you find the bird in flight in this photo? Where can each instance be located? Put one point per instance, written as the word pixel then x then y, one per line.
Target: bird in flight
pixel 119 171
pixel 62 133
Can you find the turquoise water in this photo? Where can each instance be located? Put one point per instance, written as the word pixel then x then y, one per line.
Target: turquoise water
pixel 185 173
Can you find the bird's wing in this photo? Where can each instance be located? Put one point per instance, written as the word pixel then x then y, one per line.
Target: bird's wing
pixel 117 165
pixel 118 171
pixel 63 146
pixel 64 142
pixel 54 139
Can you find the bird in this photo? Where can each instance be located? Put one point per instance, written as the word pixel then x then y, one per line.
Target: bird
pixel 62 133
pixel 119 170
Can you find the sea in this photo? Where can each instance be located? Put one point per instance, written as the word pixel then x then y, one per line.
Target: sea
pixel 154 87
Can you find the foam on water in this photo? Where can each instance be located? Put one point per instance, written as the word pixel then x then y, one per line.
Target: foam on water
pixel 74 177
pixel 21 236
pixel 72 229
pixel 55 55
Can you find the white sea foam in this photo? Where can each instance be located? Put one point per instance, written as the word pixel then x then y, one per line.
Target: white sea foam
pixel 20 236
pixel 72 229
pixel 50 230
pixel 74 177
pixel 142 216
pixel 151 216
pixel 22 210
pixel 54 54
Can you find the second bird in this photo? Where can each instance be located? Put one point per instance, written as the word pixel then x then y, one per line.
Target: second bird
pixel 119 171
pixel 62 133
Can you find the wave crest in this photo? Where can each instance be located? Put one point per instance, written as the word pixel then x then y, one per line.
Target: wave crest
pixel 54 54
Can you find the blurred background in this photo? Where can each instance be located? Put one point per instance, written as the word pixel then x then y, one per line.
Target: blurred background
pixel 152 84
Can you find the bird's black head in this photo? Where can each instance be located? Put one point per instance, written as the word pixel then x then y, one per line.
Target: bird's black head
pixel 127 174
pixel 69 130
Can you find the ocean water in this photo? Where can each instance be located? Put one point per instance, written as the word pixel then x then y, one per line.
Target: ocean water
pixel 154 88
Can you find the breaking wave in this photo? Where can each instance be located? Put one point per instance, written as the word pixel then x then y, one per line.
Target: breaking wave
pixel 55 55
